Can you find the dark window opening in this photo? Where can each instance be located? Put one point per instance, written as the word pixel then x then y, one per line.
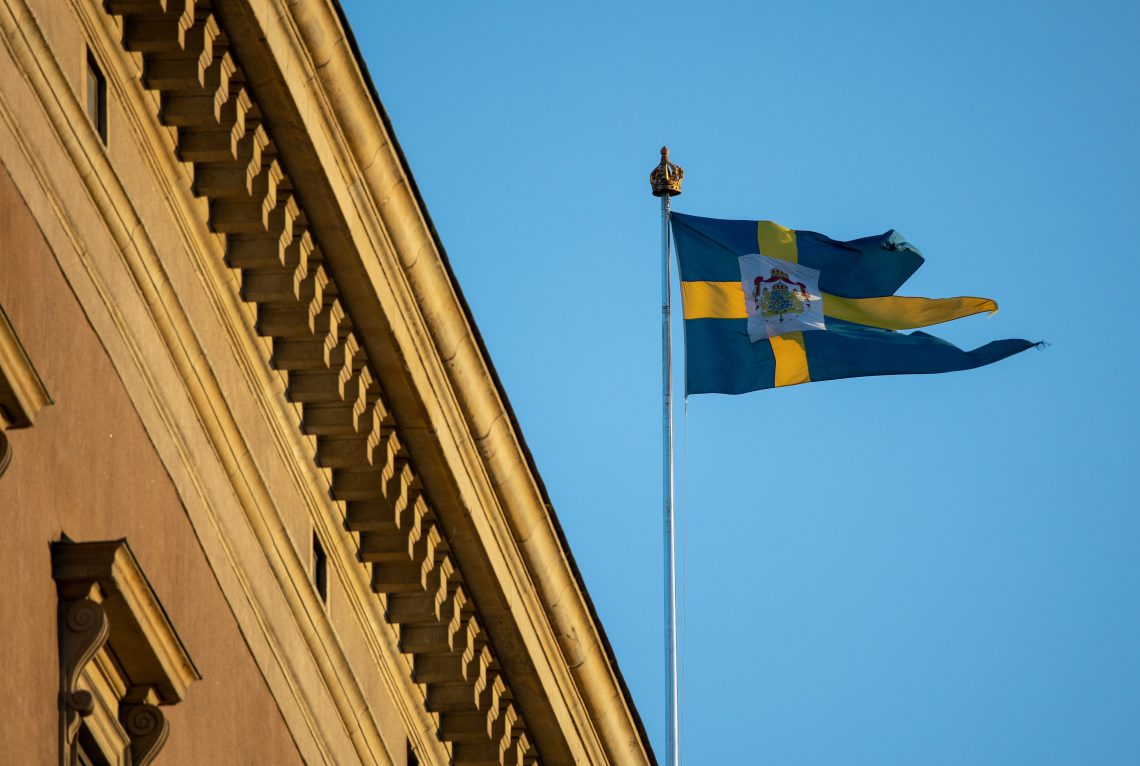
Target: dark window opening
pixel 97 97
pixel 412 760
pixel 89 753
pixel 320 569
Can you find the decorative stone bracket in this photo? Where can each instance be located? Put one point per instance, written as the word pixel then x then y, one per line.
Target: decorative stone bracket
pixel 22 393
pixel 83 631
pixel 106 605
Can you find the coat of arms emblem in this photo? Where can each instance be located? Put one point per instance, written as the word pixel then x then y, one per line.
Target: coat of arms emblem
pixel 785 296
pixel 780 296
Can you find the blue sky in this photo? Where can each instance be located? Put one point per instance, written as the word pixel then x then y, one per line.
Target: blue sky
pixel 909 570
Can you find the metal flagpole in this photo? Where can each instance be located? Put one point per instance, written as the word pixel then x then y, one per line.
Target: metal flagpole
pixel 665 181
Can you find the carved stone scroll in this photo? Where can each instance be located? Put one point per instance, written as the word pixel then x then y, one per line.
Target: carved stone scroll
pixel 147 727
pixel 83 630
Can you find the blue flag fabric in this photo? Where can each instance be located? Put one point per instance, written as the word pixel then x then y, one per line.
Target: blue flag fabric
pixel 767 306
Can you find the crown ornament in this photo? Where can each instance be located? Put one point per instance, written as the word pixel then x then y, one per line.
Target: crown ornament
pixel 666 178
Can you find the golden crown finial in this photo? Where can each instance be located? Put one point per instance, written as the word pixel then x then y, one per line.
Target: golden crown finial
pixel 666 177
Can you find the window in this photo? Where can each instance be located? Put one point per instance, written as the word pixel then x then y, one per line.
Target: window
pixel 89 752
pixel 119 657
pixel 97 97
pixel 320 569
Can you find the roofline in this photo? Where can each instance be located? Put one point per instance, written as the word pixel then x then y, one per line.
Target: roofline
pixel 527 455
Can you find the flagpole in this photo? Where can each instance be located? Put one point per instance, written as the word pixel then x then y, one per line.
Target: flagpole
pixel 665 182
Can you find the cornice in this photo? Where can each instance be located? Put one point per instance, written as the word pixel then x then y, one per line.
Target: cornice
pixel 514 520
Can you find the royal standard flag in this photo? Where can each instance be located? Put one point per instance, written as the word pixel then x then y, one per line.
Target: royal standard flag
pixel 767 306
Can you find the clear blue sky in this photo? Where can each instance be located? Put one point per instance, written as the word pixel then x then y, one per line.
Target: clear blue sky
pixel 910 570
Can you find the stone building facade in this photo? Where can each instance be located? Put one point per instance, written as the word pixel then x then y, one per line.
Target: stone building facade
pixel 262 498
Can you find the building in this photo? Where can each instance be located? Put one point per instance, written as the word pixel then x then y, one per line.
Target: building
pixel 263 498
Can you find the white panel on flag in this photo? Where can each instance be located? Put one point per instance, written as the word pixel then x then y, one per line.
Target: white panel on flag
pixel 781 297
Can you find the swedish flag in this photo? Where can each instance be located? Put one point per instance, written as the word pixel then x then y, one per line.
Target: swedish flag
pixel 767 306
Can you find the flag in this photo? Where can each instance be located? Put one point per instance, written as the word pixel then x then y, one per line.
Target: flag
pixel 766 306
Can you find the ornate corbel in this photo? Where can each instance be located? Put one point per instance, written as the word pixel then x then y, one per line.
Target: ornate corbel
pixel 147 728
pixel 83 629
